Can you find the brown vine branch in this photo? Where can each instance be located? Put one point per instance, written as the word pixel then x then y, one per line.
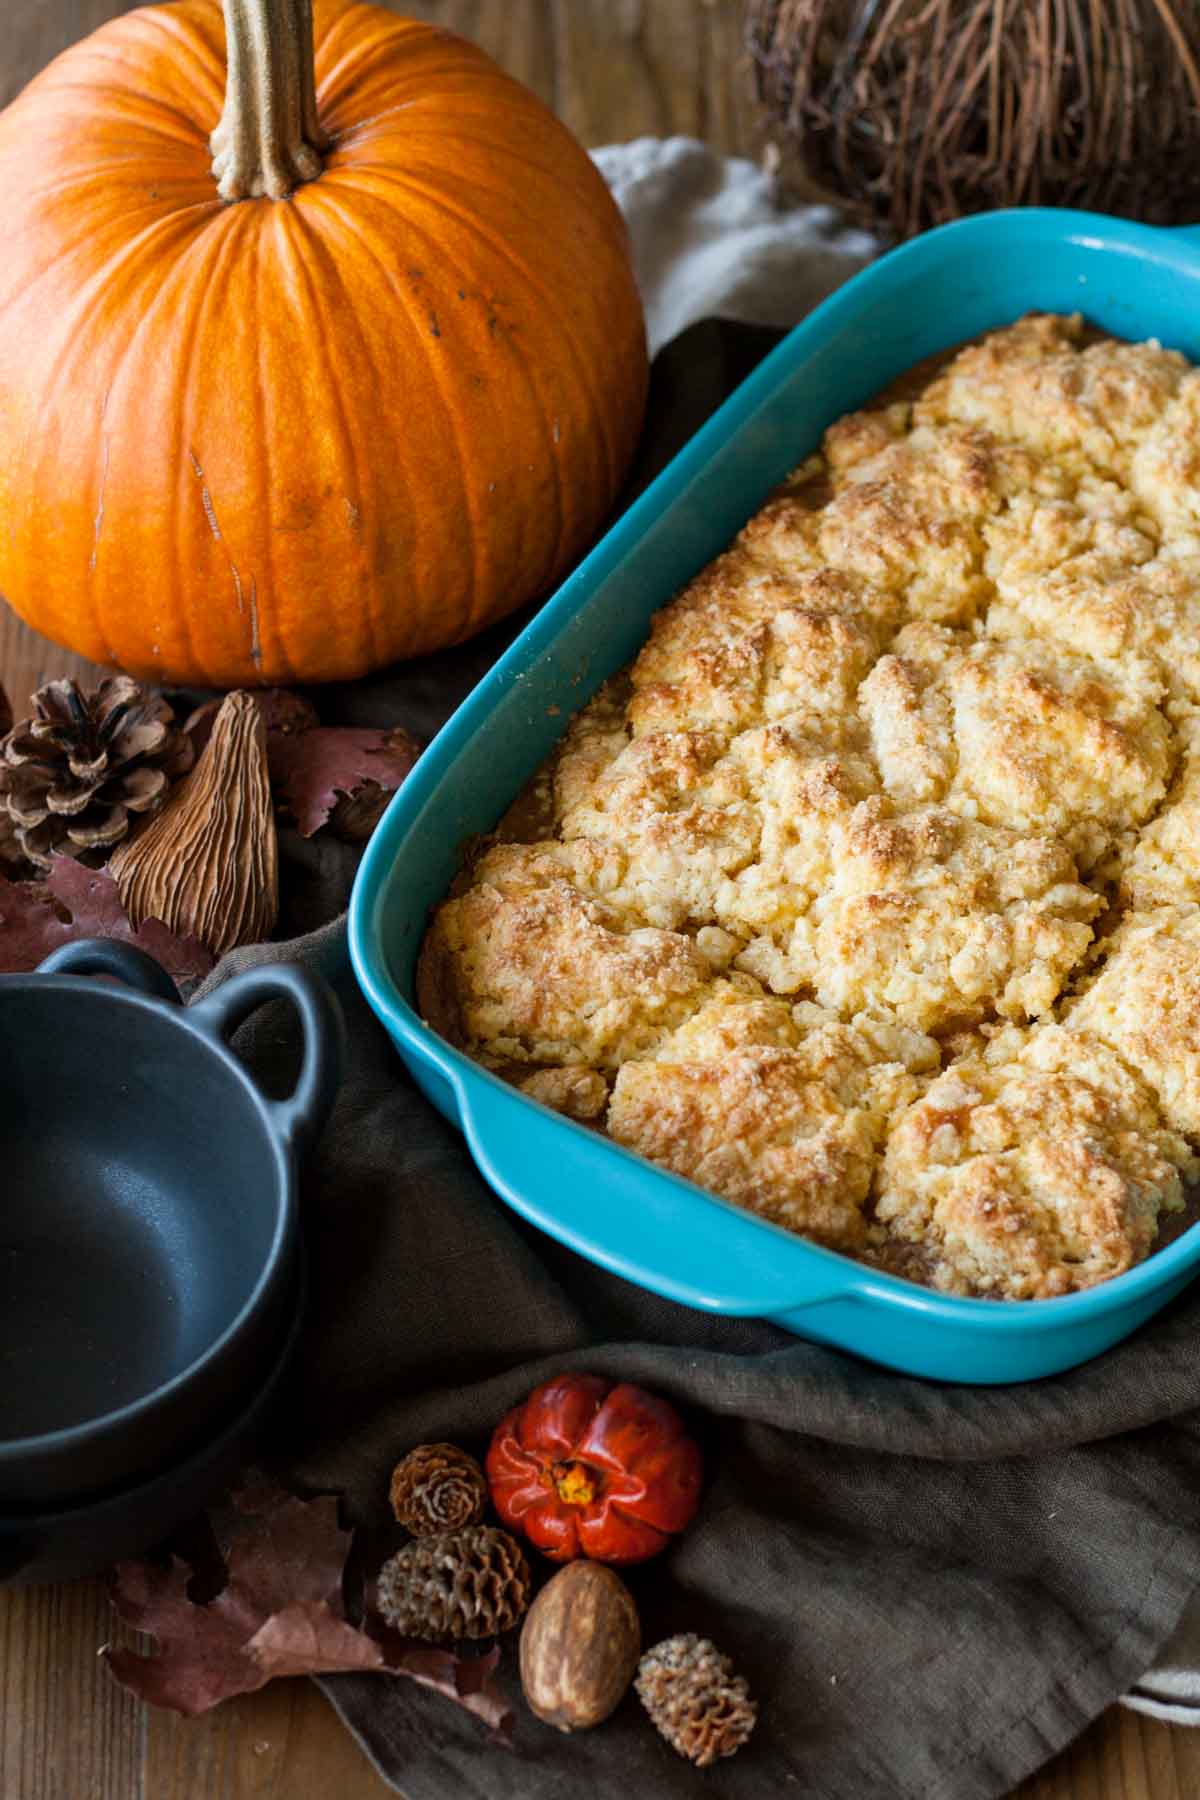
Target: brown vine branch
pixel 917 111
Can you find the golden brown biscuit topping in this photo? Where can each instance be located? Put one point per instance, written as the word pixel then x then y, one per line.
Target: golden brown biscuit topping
pixel 870 894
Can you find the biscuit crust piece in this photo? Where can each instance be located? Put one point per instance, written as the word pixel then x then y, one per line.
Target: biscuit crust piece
pixel 1016 734
pixel 1035 1169
pixel 1160 865
pixel 868 895
pixel 527 967
pixel 933 918
pixel 1145 1005
pixel 780 1109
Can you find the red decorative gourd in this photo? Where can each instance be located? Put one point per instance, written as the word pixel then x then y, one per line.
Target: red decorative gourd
pixel 380 402
pixel 586 1468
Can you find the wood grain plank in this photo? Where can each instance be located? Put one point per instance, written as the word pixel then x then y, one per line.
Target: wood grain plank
pixel 615 69
pixel 27 660
pixel 283 1743
pixel 516 32
pixel 629 67
pixel 731 121
pixel 34 31
pixel 65 1729
pixel 1124 1756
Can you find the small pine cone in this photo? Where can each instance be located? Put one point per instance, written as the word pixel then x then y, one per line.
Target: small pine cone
pixel 12 858
pixel 437 1488
pixel 13 862
pixel 694 1698
pixel 71 777
pixel 463 1584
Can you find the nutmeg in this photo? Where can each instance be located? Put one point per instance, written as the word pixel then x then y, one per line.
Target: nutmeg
pixel 579 1647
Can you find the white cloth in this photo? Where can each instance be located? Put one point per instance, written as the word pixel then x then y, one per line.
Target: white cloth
pixel 711 239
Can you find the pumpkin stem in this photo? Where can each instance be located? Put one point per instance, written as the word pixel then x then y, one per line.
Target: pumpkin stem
pixel 269 139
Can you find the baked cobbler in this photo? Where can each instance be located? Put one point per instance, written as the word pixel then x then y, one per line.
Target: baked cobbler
pixel 868 897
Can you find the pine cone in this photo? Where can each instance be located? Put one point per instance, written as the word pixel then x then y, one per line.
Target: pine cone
pixel 71 776
pixel 438 1488
pixel 12 857
pixel 14 864
pixel 463 1584
pixel 694 1698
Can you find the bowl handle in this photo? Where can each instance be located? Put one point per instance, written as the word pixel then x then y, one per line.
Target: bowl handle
pixel 103 956
pixel 299 1118
pixel 637 1220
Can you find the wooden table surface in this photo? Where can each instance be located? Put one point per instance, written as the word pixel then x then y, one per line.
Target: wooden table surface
pixel 613 69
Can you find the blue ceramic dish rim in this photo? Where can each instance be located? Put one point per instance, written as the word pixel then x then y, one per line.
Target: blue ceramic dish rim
pixel 368 956
pixel 16 1450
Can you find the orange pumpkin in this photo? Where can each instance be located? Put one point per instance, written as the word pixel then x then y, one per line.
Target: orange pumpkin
pixel 295 439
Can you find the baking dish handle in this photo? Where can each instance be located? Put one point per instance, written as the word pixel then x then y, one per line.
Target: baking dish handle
pixel 636 1220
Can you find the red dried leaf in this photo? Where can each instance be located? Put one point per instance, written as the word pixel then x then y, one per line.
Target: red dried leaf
pixel 294 1552
pixel 301 1639
pixel 306 1640
pixel 74 902
pixel 279 1613
pixel 310 770
pixel 283 710
pixel 465 1679
pixel 202 1658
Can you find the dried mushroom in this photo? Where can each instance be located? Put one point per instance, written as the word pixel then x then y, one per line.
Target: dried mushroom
pixel 208 866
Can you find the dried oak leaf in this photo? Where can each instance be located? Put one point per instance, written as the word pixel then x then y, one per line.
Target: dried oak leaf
pixel 466 1679
pixel 285 710
pixel 203 1657
pixel 74 902
pixel 279 1613
pixel 330 767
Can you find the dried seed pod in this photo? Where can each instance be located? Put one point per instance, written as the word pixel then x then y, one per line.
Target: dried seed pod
pixel 579 1647
pixel 208 866
pixel 694 1698
pixel 436 1488
pixel 463 1584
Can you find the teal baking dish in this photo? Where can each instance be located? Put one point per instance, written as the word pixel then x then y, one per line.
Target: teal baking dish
pixel 606 1203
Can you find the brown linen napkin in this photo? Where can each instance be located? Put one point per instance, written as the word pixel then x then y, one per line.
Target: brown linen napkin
pixel 931 1589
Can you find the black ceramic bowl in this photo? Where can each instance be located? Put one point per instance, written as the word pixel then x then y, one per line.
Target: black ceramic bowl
pixel 149 1248
pixel 67 1542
